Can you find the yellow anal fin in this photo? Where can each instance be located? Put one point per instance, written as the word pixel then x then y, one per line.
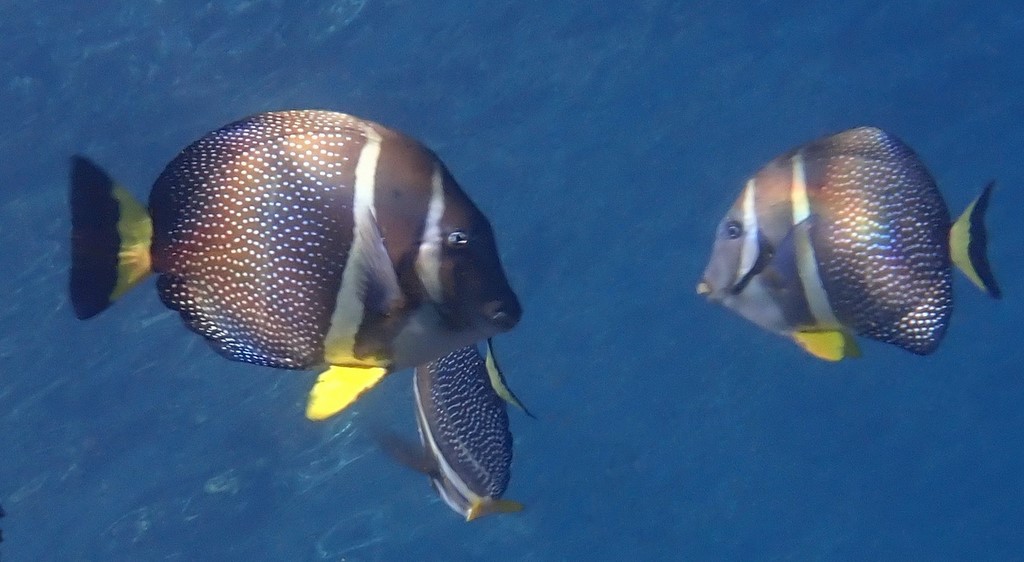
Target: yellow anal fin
pixel 967 245
pixel 830 345
pixel 338 387
pixel 487 506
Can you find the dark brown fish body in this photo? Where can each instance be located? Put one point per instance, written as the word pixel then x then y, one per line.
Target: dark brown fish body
pixel 845 235
pixel 303 238
pixel 464 430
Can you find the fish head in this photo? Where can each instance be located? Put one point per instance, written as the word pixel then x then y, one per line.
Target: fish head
pixel 471 290
pixel 723 268
pixel 739 274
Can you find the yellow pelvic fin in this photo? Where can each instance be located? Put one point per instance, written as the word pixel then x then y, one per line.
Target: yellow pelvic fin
pixel 967 245
pixel 338 387
pixel 487 506
pixel 830 345
pixel 135 229
pixel 498 381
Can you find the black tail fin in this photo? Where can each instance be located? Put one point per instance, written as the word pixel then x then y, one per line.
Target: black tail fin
pixel 110 238
pixel 968 242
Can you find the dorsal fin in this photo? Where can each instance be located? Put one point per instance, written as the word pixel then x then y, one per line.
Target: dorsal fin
pixel 498 381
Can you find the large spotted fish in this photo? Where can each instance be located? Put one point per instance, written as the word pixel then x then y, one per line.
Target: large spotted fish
pixel 847 235
pixel 465 442
pixel 300 240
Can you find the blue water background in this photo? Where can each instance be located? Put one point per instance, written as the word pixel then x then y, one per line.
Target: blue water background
pixel 604 140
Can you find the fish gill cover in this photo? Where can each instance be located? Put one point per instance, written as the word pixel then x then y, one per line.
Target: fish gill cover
pixel 603 141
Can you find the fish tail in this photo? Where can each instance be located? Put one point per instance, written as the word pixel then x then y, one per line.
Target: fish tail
pixel 111 233
pixel 488 506
pixel 967 244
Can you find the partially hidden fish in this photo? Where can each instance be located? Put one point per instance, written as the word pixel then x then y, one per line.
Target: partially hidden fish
pixel 847 236
pixel 465 443
pixel 300 240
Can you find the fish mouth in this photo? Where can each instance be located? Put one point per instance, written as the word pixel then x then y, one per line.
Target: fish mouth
pixel 503 314
pixel 708 291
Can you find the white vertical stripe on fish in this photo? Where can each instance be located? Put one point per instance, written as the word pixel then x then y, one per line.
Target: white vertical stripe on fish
pixel 339 344
pixel 750 249
pixel 447 473
pixel 807 265
pixel 428 260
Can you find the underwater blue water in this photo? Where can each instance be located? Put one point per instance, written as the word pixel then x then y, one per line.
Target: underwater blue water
pixel 604 140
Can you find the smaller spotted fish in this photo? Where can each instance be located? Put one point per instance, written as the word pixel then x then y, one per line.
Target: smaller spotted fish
pixel 466 445
pixel 847 236
pixel 300 240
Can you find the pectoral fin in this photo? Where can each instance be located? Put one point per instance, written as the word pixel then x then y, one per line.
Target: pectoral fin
pixel 783 271
pixel 487 506
pixel 337 387
pixel 380 291
pixel 407 453
pixel 830 345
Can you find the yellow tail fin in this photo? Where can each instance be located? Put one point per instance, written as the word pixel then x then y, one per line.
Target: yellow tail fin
pixel 967 245
pixel 111 234
pixel 487 506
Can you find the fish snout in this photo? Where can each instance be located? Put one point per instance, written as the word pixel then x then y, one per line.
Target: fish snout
pixel 503 314
pixel 708 290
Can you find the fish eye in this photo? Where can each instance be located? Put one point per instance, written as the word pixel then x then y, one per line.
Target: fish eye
pixel 457 239
pixel 733 230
